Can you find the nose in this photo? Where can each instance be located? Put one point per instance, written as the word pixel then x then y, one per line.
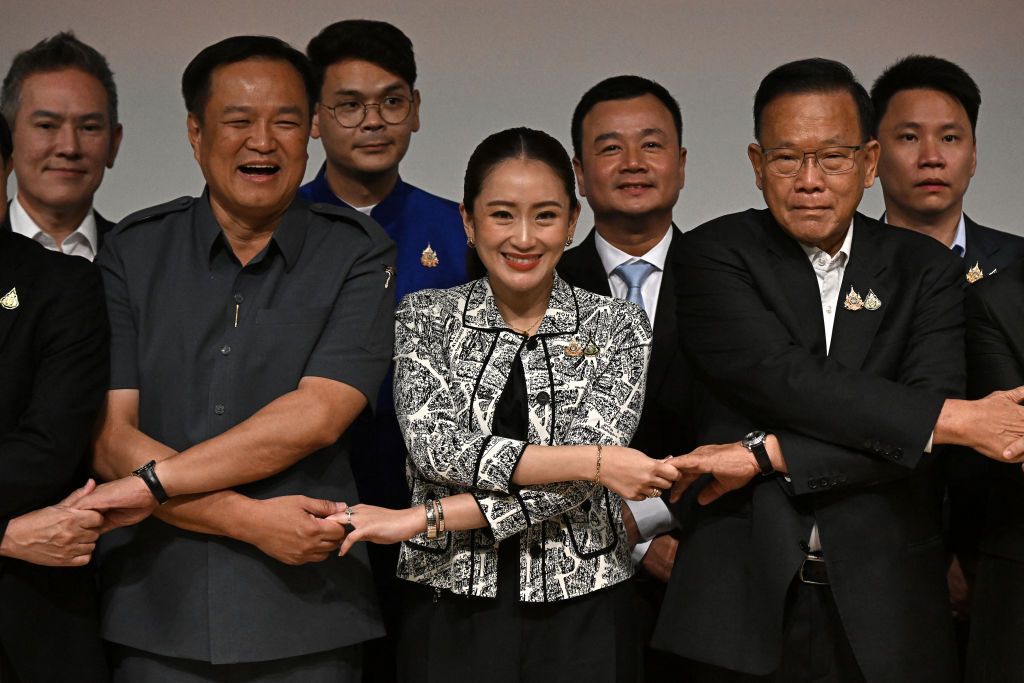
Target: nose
pixel 68 144
pixel 524 237
pixel 810 177
pixel 633 159
pixel 373 120
pixel 930 154
pixel 261 137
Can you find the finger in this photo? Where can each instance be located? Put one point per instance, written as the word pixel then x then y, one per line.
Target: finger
pixel 711 492
pixel 79 493
pixel 319 507
pixel 350 540
pixel 663 484
pixel 1015 451
pixel 331 531
pixel 319 557
pixel 666 471
pixel 1016 395
pixel 79 560
pixel 88 519
pixel 679 488
pixel 338 517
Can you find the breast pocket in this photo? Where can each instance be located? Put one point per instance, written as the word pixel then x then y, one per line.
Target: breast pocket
pixel 284 340
pixel 593 526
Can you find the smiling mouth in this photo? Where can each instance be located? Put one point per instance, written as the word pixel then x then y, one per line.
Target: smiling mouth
pixel 259 170
pixel 521 261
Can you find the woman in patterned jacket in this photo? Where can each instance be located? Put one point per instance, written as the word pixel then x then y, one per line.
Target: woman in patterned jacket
pixel 517 395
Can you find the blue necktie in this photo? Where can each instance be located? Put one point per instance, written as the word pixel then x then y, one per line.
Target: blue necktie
pixel 634 274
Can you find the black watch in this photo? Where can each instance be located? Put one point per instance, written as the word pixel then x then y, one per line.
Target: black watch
pixel 147 474
pixel 755 443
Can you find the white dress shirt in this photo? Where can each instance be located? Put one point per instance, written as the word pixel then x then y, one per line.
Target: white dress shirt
pixel 652 515
pixel 82 242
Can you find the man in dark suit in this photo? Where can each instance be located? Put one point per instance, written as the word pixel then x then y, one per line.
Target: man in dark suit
pixel 926 116
pixel 833 344
pixel 995 360
pixel 630 165
pixel 60 101
pixel 54 356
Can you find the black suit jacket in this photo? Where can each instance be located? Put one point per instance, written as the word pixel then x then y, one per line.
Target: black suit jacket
pixel 666 424
pixel 992 250
pixel 852 424
pixel 995 360
pixel 54 365
pixel 103 226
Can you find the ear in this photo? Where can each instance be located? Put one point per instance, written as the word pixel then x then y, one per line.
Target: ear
pixel 115 144
pixel 195 134
pixel 754 154
pixel 577 166
pixel 974 156
pixel 871 150
pixel 414 117
pixel 467 223
pixel 682 167
pixel 573 217
pixel 314 130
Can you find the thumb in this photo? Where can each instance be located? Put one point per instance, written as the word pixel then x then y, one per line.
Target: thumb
pixel 1016 395
pixel 319 507
pixel 79 494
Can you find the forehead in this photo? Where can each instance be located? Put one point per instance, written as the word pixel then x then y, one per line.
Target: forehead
pixel 627 116
pixel 63 90
pixel 359 75
pixel 522 180
pixel 805 119
pixel 271 82
pixel 923 104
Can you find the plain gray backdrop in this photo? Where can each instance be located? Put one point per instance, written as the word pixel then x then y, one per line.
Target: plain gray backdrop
pixel 488 65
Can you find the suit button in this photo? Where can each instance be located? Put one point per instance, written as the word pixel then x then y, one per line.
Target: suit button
pixel 812 484
pixel 899 452
pixel 535 550
pixel 225 350
pixel 543 398
pixel 239 298
pixel 219 409
pixel 842 478
pixel 531 343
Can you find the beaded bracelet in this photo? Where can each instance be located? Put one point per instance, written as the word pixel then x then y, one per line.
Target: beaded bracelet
pixel 597 471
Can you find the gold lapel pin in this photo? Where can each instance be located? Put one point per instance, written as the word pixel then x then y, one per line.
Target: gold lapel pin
pixel 872 302
pixel 591 349
pixel 975 274
pixel 428 258
pixel 853 301
pixel 10 299
pixel 573 350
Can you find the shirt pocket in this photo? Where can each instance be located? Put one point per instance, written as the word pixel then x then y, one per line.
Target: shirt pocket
pixel 283 342
pixel 593 526
pixel 292 316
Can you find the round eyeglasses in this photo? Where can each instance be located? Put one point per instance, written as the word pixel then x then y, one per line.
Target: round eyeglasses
pixel 392 109
pixel 787 162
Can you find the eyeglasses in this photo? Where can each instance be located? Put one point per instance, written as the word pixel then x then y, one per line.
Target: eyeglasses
pixel 785 161
pixel 393 109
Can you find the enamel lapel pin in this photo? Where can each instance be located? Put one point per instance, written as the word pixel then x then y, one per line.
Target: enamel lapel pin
pixel 854 302
pixel 975 274
pixel 10 299
pixel 428 257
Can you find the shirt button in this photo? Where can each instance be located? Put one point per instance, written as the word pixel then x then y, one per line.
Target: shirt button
pixel 543 398
pixel 821 260
pixel 828 309
pixel 225 350
pixel 219 409
pixel 239 298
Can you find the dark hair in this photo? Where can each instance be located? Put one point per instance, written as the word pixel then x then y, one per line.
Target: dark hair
pixel 195 82
pixel 62 51
pixel 377 42
pixel 6 143
pixel 813 76
pixel 622 88
pixel 929 73
pixel 517 143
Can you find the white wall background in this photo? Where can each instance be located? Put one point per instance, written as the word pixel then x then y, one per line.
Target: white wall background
pixel 491 64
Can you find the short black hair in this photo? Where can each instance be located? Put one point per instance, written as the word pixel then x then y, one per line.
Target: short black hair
pixel 62 51
pixel 517 143
pixel 6 144
pixel 195 82
pixel 622 88
pixel 816 75
pixel 927 73
pixel 377 42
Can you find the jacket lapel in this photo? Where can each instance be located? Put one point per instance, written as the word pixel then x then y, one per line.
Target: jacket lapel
pixel 791 270
pixel 12 276
pixel 582 267
pixel 665 345
pixel 866 272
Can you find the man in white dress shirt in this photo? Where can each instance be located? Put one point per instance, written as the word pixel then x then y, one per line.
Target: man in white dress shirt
pixel 60 101
pixel 630 163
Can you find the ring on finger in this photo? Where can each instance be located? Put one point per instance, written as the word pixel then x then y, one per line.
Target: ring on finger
pixel 349 514
pixel 655 493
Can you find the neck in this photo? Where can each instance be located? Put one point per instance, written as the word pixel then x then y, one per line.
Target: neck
pixel 522 310
pixel 942 226
pixel 57 222
pixel 358 189
pixel 635 235
pixel 247 236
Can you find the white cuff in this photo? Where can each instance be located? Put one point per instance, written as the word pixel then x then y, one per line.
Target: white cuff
pixel 639 550
pixel 928 447
pixel 652 517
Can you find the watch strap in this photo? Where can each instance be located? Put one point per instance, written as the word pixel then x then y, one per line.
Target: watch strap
pixel 764 462
pixel 148 475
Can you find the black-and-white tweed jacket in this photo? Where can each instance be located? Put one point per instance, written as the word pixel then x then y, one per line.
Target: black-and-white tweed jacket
pixel 585 375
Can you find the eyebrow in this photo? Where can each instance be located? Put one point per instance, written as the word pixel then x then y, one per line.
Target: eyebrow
pixel 397 85
pixel 538 205
pixel 244 109
pixel 46 114
pixel 616 135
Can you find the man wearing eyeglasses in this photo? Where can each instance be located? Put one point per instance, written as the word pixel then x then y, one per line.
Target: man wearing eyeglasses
pixel 829 346
pixel 368 110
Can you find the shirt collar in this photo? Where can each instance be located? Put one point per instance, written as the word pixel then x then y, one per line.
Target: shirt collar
pixel 959 245
pixel 321 192
pixel 612 257
pixel 289 236
pixel 23 224
pixel 844 249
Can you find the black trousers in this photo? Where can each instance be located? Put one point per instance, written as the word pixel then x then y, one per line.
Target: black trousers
pixel 995 653
pixel 815 648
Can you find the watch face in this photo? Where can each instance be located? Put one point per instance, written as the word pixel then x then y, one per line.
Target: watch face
pixel 752 439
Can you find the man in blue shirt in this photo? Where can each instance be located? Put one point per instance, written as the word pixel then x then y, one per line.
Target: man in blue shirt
pixel 368 110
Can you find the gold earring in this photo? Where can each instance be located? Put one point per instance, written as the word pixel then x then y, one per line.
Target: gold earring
pixel 568 242
pixel 470 243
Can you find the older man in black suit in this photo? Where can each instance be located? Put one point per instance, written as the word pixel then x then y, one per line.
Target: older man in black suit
pixel 834 344
pixel 54 359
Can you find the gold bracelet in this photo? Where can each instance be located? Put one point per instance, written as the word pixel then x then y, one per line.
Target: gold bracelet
pixel 431 519
pixel 597 470
pixel 440 516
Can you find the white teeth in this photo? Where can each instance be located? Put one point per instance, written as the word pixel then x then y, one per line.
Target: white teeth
pixel 521 259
